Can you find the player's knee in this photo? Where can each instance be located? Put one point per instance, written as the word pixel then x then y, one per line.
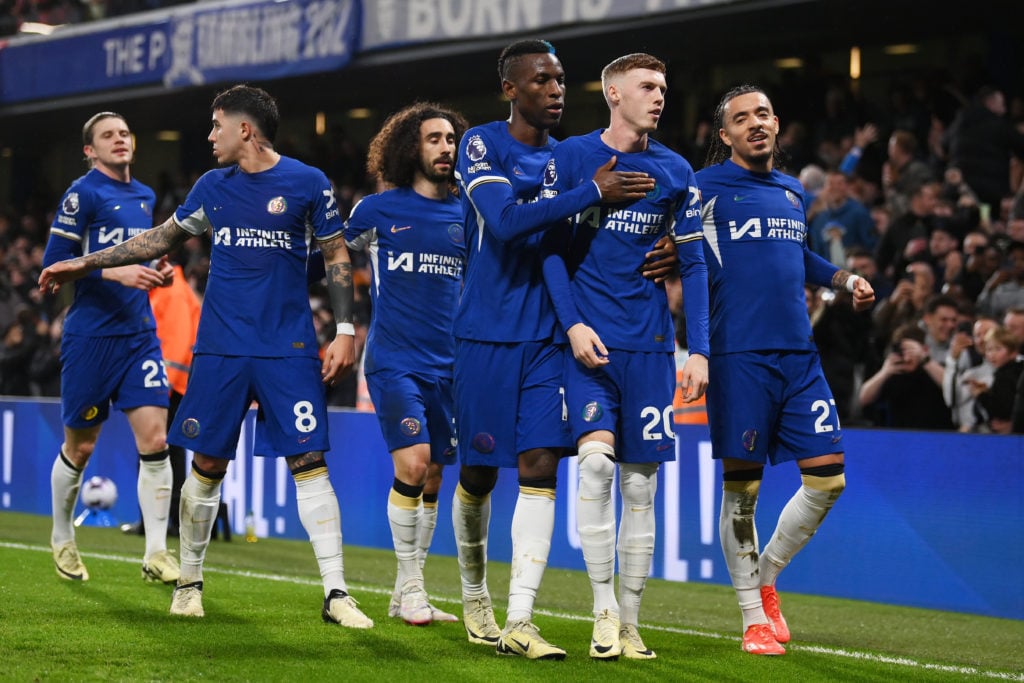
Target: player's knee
pixel 413 473
pixel 596 460
pixel 78 453
pixel 478 481
pixel 829 478
pixel 208 470
pixel 435 475
pixel 539 462
pixel 155 443
pixel 307 465
pixel 637 483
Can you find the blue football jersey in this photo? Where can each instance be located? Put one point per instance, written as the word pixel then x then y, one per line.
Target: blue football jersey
pixel 97 212
pixel 755 245
pixel 417 250
pixel 608 244
pixel 504 299
pixel 263 229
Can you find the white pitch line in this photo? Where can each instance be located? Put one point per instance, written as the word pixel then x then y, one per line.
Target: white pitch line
pixel 818 649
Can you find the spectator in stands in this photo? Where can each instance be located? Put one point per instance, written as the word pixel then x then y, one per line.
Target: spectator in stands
pixel 903 172
pixel 997 399
pixel 980 141
pixel 906 393
pixel 862 137
pixel 906 237
pixel 838 222
pixel 906 303
pixel 1005 288
pixel 812 178
pixel 959 194
pixel 980 261
pixel 939 321
pixel 945 257
pixel 44 370
pixel 965 365
pixel 1013 320
pixel 842 336
pixel 1017 417
pixel 862 262
pixel 19 345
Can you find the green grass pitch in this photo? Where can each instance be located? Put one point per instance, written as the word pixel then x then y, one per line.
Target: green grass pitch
pixel 263 623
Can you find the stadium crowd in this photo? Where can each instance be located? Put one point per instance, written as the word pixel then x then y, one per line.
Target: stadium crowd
pixel 923 195
pixel 15 13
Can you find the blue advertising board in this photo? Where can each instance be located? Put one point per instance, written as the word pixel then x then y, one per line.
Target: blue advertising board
pixel 927 519
pixel 190 45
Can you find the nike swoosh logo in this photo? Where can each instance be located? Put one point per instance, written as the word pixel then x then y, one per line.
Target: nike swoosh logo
pixel 404 227
pixel 325 521
pixel 525 648
pixel 601 648
pixel 735 198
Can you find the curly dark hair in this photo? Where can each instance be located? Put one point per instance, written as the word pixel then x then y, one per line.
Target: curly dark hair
pixel 395 150
pixel 719 151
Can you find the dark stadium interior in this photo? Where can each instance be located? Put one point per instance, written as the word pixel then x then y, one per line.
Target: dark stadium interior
pixel 707 49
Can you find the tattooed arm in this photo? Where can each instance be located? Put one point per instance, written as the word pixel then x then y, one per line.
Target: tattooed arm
pixel 143 247
pixel 863 293
pixel 340 355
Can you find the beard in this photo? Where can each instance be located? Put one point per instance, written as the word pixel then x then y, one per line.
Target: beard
pixel 433 175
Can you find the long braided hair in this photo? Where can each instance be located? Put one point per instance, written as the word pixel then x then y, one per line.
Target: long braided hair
pixel 719 151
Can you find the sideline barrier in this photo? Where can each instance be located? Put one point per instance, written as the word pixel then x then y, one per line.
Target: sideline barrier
pixel 927 520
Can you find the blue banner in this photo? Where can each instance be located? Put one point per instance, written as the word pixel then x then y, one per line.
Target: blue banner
pixel 394 23
pixel 194 45
pixel 927 519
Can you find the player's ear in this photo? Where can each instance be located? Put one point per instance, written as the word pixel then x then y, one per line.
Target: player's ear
pixel 724 137
pixel 508 89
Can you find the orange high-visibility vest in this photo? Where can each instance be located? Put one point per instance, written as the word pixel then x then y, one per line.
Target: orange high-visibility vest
pixel 694 413
pixel 176 310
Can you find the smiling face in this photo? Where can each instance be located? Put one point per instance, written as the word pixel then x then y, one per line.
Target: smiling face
pixel 536 87
pixel 749 129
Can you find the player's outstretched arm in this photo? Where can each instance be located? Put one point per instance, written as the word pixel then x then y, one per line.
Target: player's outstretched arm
pixel 508 219
pixel 138 276
pixel 340 355
pixel 863 292
pixel 142 247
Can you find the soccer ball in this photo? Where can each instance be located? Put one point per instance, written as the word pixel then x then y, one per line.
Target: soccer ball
pixel 99 493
